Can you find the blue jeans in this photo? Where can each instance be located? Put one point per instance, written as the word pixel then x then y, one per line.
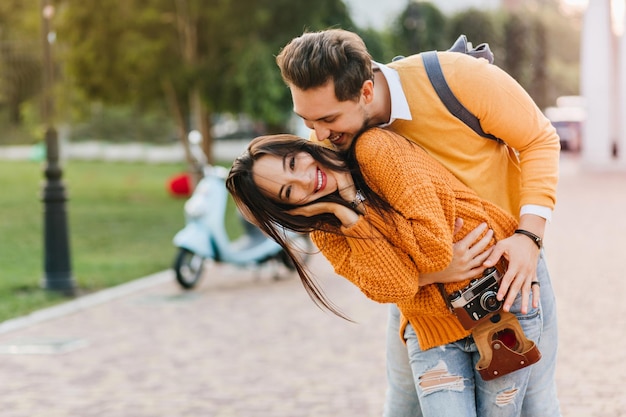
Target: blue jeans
pixel 540 398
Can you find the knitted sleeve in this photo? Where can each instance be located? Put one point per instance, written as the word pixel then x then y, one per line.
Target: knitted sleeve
pixel 384 272
pixel 420 191
pixel 384 256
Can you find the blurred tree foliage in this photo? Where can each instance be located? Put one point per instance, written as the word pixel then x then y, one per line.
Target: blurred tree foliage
pixel 20 62
pixel 201 57
pixel 419 28
pixel 181 61
pixel 536 44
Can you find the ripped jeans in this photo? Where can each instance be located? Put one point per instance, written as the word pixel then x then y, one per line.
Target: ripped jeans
pixel 541 399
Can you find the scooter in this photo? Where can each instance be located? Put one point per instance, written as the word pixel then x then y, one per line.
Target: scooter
pixel 204 236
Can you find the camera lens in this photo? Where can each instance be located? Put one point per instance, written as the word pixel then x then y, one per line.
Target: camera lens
pixel 489 302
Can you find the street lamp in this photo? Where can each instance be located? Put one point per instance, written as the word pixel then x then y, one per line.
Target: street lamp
pixel 57 268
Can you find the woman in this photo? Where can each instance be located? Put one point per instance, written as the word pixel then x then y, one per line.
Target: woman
pixel 385 224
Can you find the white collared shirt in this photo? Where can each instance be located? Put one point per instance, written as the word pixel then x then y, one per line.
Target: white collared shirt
pixel 399 104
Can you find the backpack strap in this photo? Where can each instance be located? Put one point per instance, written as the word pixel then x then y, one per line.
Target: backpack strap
pixel 454 106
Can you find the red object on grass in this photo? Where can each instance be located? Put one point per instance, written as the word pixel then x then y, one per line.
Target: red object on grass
pixel 180 185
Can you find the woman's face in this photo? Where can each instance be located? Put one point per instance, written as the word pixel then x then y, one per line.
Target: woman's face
pixel 294 179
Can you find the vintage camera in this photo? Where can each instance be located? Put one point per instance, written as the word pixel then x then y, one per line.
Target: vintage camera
pixel 477 302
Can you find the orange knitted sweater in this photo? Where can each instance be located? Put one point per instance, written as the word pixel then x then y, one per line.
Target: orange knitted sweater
pixel 384 255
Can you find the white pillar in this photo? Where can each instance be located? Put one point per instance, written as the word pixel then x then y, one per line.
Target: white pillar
pixel 621 108
pixel 596 85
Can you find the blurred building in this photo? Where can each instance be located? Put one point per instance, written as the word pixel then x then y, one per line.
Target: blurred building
pixel 603 85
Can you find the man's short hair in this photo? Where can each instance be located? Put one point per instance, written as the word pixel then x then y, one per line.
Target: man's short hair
pixel 315 58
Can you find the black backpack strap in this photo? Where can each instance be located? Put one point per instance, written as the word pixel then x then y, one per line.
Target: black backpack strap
pixel 454 106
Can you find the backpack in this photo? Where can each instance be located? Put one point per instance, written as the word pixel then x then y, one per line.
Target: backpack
pixel 438 81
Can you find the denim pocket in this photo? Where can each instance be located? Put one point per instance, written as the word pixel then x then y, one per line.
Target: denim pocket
pixel 532 323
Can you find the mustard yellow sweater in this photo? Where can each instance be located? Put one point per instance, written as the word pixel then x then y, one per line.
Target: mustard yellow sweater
pixel 524 172
pixel 384 256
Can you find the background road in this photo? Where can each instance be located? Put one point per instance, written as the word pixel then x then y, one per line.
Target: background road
pixel 244 345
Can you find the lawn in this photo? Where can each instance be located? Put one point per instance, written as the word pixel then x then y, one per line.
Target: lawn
pixel 121 223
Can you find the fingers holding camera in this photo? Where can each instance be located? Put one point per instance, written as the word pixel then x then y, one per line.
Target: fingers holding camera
pixel 521 272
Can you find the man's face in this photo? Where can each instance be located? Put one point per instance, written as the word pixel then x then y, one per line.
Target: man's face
pixel 337 121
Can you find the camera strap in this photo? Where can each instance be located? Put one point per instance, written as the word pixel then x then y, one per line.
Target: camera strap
pixel 445 296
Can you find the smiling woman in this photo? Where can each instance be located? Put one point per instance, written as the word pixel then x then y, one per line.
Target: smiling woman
pixel 293 179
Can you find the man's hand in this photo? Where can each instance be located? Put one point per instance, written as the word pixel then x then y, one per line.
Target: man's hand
pixel 468 255
pixel 522 256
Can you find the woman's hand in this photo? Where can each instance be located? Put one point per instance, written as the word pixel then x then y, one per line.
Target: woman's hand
pixel 468 255
pixel 347 189
pixel 313 209
pixel 346 216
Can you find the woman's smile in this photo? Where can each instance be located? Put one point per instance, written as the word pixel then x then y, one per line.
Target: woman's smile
pixel 321 180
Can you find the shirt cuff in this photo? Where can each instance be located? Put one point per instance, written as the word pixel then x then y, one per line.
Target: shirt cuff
pixel 540 211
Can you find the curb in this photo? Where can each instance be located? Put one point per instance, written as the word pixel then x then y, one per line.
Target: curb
pixel 85 302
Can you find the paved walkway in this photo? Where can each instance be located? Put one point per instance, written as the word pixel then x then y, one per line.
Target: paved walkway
pixel 243 345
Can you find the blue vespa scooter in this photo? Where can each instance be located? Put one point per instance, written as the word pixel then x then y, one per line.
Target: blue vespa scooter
pixel 204 236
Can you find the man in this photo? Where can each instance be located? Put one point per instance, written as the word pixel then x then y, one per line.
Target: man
pixel 339 91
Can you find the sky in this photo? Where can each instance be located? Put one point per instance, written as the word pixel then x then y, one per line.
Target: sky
pixel 378 13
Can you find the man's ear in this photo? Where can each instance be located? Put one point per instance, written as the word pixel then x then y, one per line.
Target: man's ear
pixel 367 91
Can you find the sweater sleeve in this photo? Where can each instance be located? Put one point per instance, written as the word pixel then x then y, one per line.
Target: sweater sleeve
pixel 384 256
pixel 418 189
pixel 508 112
pixel 384 272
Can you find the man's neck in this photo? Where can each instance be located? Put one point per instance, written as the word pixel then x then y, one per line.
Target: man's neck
pixel 380 108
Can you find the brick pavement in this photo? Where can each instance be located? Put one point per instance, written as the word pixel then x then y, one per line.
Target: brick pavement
pixel 242 345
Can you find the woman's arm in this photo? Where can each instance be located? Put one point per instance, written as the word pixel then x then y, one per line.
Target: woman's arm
pixel 383 271
pixel 418 189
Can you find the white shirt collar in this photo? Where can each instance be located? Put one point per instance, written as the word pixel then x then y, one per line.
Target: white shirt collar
pixel 399 104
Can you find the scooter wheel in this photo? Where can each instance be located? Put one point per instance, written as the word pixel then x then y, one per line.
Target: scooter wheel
pixel 188 268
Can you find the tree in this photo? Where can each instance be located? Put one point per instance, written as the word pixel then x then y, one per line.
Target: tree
pixel 200 55
pixel 418 29
pixel 479 26
pixel 20 55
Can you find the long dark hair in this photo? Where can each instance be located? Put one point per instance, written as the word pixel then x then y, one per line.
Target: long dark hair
pixel 271 216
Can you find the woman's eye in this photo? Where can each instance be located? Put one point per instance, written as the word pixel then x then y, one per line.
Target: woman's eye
pixel 292 163
pixel 288 193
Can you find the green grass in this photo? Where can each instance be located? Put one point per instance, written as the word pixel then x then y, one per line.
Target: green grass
pixel 121 221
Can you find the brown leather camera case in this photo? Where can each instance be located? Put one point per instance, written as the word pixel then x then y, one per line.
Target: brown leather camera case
pixel 498 359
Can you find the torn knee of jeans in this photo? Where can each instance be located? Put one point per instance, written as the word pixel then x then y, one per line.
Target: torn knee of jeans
pixel 439 378
pixel 506 397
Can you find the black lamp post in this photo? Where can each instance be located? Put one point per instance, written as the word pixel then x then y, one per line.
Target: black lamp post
pixel 57 268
